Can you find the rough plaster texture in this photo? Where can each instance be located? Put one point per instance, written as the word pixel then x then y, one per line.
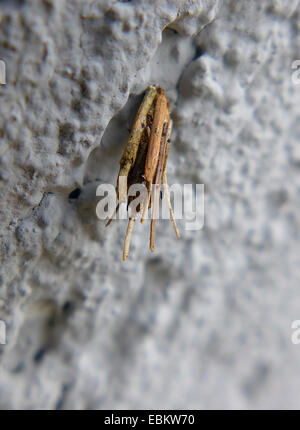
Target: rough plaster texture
pixel 204 322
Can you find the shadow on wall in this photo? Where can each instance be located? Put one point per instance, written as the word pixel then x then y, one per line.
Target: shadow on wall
pixel 165 69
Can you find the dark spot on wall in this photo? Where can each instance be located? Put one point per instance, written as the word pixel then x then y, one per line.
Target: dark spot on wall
pixel 76 105
pixel 39 355
pixel 67 307
pixel 66 136
pixel 199 51
pixel 126 27
pixel 277 198
pixel 48 6
pixel 75 193
pixel 84 90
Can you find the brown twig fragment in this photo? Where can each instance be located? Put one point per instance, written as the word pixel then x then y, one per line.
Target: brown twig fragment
pixel 130 152
pixel 144 161
pixel 172 217
pixel 146 203
pixel 156 133
pixel 158 179
pixel 165 182
pixel 128 238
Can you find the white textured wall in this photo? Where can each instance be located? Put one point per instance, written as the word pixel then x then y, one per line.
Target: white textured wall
pixel 204 322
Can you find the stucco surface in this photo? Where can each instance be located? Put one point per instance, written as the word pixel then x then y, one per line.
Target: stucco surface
pixel 204 322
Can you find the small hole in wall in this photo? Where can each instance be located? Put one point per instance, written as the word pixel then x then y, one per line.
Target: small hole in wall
pixel 199 51
pixel 75 193
pixel 67 307
pixel 39 355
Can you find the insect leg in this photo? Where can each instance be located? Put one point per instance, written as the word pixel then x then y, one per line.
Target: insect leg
pixel 158 179
pixel 128 237
pixel 130 152
pixel 160 113
pixel 166 190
